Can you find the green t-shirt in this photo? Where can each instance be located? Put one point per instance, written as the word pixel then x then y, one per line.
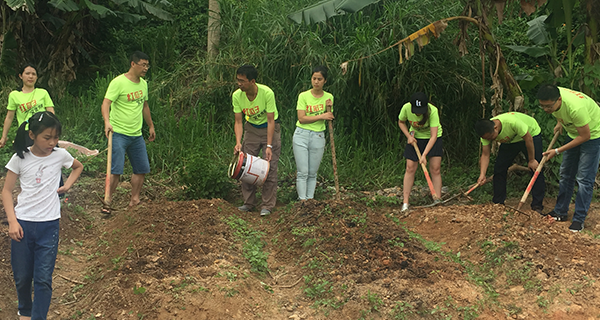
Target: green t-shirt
pixel 257 109
pixel 514 126
pixel 128 100
pixel 28 104
pixel 577 110
pixel 421 131
pixel 313 107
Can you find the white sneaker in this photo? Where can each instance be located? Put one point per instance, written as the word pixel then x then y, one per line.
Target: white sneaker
pixel 404 207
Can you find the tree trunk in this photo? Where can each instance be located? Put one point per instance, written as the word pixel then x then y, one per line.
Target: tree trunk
pixel 214 28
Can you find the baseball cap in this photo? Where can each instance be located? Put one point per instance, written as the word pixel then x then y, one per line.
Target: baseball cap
pixel 418 102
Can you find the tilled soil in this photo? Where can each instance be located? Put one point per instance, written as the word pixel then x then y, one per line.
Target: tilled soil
pixel 325 259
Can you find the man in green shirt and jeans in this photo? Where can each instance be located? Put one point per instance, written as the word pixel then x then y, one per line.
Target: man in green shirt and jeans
pixel 579 115
pixel 256 103
pixel 125 105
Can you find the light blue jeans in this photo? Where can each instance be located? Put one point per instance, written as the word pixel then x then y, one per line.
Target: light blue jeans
pixel 578 164
pixel 308 152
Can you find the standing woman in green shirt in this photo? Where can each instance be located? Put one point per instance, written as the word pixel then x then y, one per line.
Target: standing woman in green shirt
pixel 426 131
pixel 309 137
pixel 25 101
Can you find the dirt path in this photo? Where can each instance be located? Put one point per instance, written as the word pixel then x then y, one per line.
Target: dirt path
pixel 322 260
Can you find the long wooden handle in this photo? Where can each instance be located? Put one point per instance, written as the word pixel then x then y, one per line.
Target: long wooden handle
pixel 108 172
pixel 429 182
pixel 537 171
pixel 333 159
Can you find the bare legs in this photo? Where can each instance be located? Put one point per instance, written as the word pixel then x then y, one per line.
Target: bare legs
pixel 137 180
pixel 435 164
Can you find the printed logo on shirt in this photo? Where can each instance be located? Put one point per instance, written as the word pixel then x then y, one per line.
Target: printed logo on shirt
pixel 315 110
pixel 258 116
pixel 578 94
pixel 135 95
pixel 417 126
pixel 504 140
pixel 39 174
pixel 251 111
pixel 24 107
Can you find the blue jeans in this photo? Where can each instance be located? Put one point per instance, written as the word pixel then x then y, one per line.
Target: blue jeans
pixel 578 164
pixel 135 147
pixel 308 152
pixel 33 260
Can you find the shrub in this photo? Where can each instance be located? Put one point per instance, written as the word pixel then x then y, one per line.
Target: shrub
pixel 205 177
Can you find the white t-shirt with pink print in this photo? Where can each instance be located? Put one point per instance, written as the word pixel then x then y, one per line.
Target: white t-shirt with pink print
pixel 39 178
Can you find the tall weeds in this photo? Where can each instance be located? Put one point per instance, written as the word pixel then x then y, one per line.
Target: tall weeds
pixel 191 99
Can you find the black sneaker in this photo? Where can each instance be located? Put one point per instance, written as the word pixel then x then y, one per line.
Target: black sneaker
pixel 557 216
pixel 576 226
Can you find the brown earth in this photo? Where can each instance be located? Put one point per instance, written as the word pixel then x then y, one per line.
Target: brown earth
pixel 348 259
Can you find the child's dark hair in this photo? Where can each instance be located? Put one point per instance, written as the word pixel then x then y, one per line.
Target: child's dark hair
pixel 483 127
pixel 249 71
pixel 322 69
pixel 36 124
pixel 136 56
pixel 548 92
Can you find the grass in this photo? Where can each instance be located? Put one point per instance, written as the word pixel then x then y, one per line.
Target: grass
pixel 253 243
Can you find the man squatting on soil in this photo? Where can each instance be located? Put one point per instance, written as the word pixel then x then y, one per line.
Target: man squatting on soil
pixel 579 115
pixel 125 104
pixel 261 132
pixel 516 132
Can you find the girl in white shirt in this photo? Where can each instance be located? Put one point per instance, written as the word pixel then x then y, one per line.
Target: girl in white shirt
pixel 34 223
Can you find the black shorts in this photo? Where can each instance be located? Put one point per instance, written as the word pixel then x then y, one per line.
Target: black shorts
pixel 436 150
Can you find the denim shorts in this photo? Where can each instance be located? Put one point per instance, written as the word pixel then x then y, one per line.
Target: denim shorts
pixel 135 147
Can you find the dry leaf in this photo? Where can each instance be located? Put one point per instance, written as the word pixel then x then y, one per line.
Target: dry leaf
pixel 400 60
pixel 527 7
pixel 422 41
pixel 500 4
pixel 439 27
pixel 344 67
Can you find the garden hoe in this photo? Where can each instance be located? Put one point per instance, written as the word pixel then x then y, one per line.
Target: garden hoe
pixel 537 171
pixel 436 199
pixel 335 175
pixel 106 209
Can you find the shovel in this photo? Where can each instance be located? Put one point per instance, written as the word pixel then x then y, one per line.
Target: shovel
pixel 537 172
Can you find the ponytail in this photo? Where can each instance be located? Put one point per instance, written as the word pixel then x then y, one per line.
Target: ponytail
pixel 36 124
pixel 425 116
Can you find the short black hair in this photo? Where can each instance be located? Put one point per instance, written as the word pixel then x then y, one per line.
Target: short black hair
pixel 249 71
pixel 136 56
pixel 322 69
pixel 548 92
pixel 484 126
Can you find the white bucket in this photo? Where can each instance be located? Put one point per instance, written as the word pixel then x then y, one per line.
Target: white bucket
pixel 249 169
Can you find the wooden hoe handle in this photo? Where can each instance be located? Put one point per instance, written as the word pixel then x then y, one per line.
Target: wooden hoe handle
pixel 537 172
pixel 108 172
pixel 429 182
pixel 333 158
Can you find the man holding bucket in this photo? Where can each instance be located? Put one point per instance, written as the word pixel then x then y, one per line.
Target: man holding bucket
pixel 261 132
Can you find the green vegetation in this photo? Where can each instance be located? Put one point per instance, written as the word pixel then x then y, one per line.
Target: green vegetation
pixel 253 243
pixel 190 92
